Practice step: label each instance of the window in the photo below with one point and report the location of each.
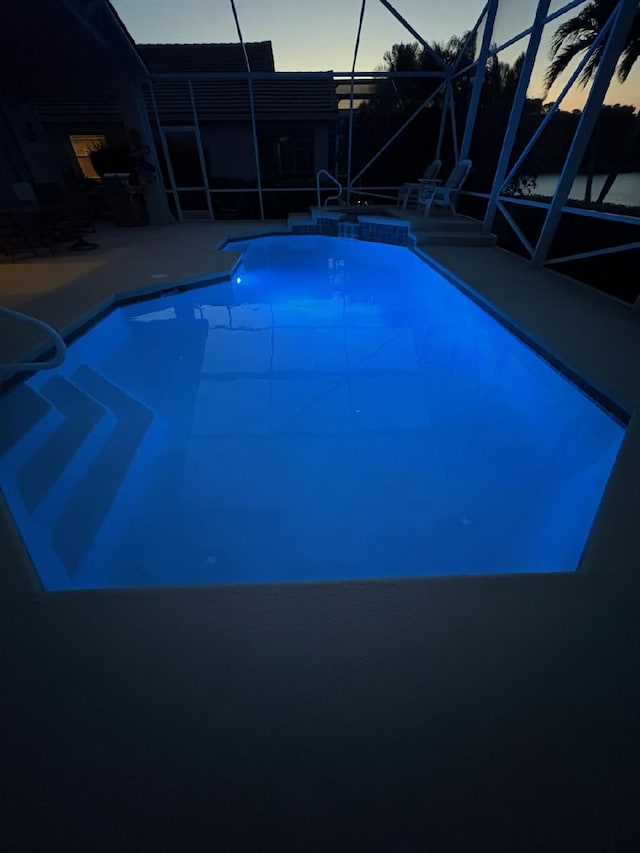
(82, 145)
(295, 152)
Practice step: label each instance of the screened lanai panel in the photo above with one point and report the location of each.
(405, 157)
(494, 111)
(545, 160)
(435, 22)
(513, 18)
(546, 54)
(608, 184)
(558, 5)
(546, 127)
(363, 90)
(556, 126)
(611, 269)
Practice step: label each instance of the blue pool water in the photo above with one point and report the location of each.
(337, 411)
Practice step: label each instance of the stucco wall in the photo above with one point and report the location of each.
(230, 150)
(322, 147)
(11, 164)
(31, 137)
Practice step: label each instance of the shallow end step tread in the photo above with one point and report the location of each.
(20, 410)
(47, 465)
(87, 508)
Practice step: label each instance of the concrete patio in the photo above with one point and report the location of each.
(450, 714)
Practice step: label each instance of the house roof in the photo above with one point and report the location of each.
(274, 98)
(284, 99)
(312, 97)
(202, 58)
(308, 98)
(224, 99)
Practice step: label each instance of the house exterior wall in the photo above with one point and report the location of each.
(321, 146)
(12, 166)
(7, 177)
(39, 163)
(230, 150)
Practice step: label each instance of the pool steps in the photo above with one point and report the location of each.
(88, 432)
(81, 414)
(391, 223)
(24, 408)
(109, 469)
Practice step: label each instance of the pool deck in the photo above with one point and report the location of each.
(496, 713)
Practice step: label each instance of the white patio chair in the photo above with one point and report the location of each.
(409, 191)
(444, 195)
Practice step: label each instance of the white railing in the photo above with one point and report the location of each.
(335, 181)
(60, 346)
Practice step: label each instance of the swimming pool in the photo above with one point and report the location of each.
(338, 410)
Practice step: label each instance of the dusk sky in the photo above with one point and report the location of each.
(306, 35)
(319, 35)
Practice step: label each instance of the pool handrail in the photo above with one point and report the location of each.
(335, 181)
(59, 344)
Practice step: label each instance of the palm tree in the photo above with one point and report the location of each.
(576, 36)
(573, 38)
(414, 57)
(392, 101)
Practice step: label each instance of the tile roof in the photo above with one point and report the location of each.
(287, 97)
(197, 58)
(216, 100)
(77, 109)
(312, 97)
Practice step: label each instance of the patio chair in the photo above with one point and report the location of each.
(445, 195)
(409, 191)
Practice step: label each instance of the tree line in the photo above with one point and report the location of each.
(614, 146)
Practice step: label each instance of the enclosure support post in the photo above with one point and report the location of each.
(516, 112)
(203, 165)
(478, 80)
